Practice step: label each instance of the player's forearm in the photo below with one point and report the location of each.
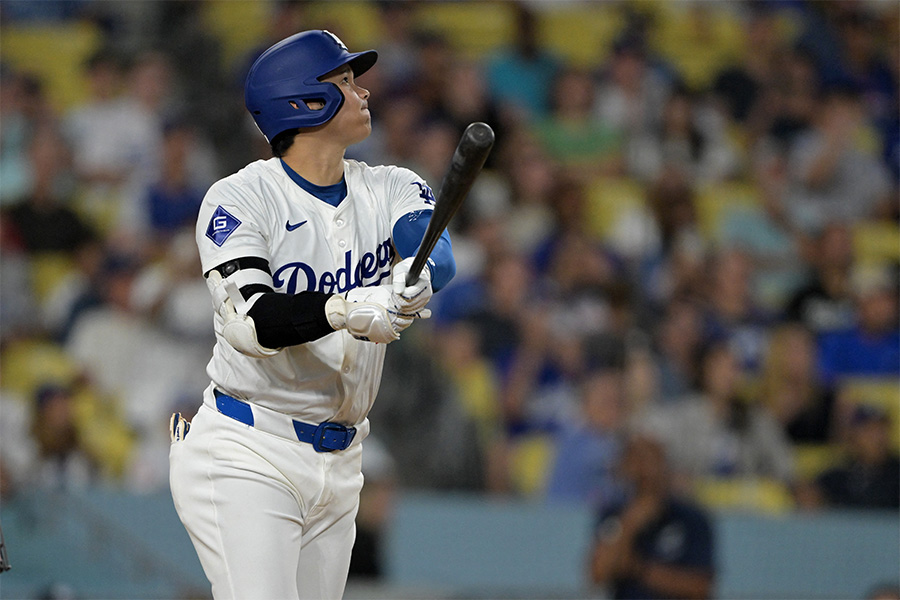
(283, 320)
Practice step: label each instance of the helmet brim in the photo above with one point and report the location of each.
(362, 61)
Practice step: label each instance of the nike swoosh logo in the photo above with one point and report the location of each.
(295, 226)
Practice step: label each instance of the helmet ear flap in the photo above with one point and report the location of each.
(326, 94)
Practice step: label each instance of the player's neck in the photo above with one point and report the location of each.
(321, 164)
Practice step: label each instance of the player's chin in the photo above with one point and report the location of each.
(365, 129)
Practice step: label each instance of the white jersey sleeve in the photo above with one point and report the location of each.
(407, 193)
(231, 224)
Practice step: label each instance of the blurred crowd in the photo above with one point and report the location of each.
(691, 239)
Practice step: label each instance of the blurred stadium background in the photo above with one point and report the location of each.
(688, 229)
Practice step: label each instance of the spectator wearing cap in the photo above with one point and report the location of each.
(870, 476)
(870, 347)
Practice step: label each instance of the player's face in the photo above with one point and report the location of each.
(352, 123)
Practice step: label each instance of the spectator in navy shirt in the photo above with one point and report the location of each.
(870, 476)
(654, 545)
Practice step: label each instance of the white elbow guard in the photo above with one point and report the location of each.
(238, 329)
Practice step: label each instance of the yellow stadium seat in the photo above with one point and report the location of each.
(472, 28)
(714, 203)
(814, 459)
(881, 392)
(608, 199)
(356, 23)
(876, 242)
(27, 364)
(102, 432)
(582, 34)
(745, 494)
(48, 270)
(239, 26)
(699, 40)
(530, 460)
(56, 54)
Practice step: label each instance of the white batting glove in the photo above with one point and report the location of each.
(411, 298)
(370, 314)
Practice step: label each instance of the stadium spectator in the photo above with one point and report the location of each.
(62, 462)
(827, 166)
(631, 94)
(475, 389)
(731, 311)
(396, 48)
(173, 199)
(740, 87)
(690, 139)
(532, 178)
(23, 106)
(655, 544)
(588, 448)
(717, 432)
(871, 346)
(790, 387)
(45, 221)
(678, 269)
(869, 478)
(679, 335)
(519, 76)
(113, 143)
(572, 134)
(825, 302)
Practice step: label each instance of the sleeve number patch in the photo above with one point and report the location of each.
(221, 225)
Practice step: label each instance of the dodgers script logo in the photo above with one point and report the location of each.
(370, 270)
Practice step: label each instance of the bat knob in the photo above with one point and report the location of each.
(479, 134)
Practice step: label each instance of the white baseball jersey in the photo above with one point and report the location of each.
(310, 245)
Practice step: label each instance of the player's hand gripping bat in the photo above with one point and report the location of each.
(474, 146)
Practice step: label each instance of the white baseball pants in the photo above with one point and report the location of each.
(270, 517)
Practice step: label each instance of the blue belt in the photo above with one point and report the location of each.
(324, 437)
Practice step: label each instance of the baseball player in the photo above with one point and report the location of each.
(306, 256)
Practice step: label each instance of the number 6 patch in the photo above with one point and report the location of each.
(221, 225)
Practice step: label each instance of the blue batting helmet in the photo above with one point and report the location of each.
(286, 76)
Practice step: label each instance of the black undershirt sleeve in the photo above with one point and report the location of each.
(283, 320)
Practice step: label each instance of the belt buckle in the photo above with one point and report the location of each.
(320, 444)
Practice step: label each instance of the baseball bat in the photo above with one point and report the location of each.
(471, 152)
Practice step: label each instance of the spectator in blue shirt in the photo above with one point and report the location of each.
(870, 348)
(588, 450)
(654, 545)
